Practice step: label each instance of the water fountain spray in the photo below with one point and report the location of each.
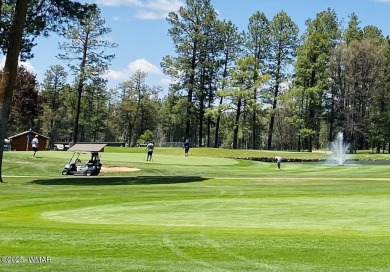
(339, 149)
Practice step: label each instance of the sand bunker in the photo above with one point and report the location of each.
(111, 169)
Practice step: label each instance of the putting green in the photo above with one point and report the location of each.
(292, 213)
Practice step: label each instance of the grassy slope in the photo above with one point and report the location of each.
(201, 214)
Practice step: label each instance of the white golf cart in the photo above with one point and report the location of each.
(92, 167)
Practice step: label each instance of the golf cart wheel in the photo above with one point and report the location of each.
(88, 173)
(64, 172)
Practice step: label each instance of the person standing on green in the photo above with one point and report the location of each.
(278, 162)
(150, 148)
(34, 145)
(186, 147)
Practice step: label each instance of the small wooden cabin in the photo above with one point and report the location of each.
(22, 141)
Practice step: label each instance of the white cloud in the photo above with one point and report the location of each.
(132, 67)
(26, 64)
(165, 81)
(149, 15)
(167, 5)
(155, 77)
(116, 75)
(161, 8)
(120, 2)
(146, 9)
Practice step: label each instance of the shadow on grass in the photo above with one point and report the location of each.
(140, 180)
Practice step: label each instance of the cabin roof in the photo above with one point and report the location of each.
(33, 133)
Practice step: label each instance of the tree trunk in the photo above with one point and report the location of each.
(217, 124)
(216, 139)
(299, 143)
(201, 109)
(254, 122)
(80, 88)
(190, 92)
(312, 111)
(331, 119)
(7, 83)
(274, 105)
(209, 117)
(77, 116)
(201, 118)
(310, 149)
(271, 125)
(254, 131)
(237, 124)
(208, 132)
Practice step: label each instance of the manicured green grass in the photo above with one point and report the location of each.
(205, 213)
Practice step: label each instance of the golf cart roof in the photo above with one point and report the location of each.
(87, 148)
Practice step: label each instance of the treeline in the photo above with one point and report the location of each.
(266, 87)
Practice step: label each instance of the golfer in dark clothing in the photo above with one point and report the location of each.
(186, 147)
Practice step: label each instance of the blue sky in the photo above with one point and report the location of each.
(140, 29)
